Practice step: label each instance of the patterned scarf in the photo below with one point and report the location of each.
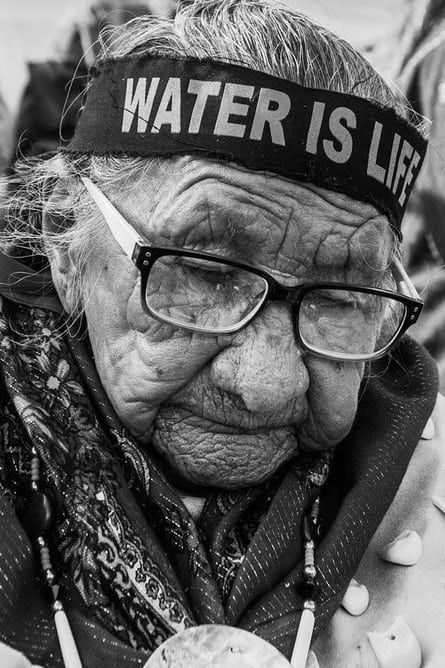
(134, 563)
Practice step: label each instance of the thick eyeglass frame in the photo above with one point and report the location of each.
(144, 256)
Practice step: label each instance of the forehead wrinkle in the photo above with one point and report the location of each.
(320, 245)
(372, 247)
(351, 212)
(214, 231)
(211, 210)
(263, 218)
(363, 253)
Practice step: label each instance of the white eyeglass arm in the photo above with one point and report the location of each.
(122, 231)
(406, 284)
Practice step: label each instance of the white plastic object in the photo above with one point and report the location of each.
(405, 550)
(439, 502)
(397, 647)
(312, 661)
(356, 598)
(428, 432)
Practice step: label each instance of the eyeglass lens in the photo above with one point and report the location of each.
(196, 292)
(215, 297)
(344, 321)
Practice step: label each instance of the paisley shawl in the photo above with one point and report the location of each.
(136, 568)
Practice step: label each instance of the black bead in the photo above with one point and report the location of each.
(309, 529)
(308, 590)
(36, 514)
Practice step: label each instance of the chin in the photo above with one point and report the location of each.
(199, 479)
(210, 454)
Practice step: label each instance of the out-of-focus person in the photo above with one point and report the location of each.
(415, 60)
(50, 105)
(5, 135)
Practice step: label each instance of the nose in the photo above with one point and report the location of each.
(263, 364)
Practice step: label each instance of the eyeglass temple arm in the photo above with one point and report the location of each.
(122, 231)
(406, 284)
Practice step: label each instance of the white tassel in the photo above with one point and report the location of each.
(303, 639)
(67, 644)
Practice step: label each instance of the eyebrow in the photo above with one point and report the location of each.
(128, 238)
(235, 244)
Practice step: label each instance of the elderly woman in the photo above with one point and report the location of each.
(205, 415)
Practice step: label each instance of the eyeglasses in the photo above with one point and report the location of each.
(203, 292)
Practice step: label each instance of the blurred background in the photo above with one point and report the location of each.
(31, 30)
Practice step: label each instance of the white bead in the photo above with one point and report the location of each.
(356, 598)
(439, 502)
(397, 647)
(405, 550)
(428, 432)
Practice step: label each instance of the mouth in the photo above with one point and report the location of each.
(211, 452)
(227, 412)
(214, 421)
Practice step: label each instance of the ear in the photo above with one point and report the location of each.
(60, 255)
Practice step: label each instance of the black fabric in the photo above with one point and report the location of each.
(49, 107)
(24, 286)
(161, 106)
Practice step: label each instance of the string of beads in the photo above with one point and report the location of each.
(310, 536)
(37, 518)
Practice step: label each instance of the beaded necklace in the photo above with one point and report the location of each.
(309, 589)
(36, 515)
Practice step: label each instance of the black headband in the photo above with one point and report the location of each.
(164, 106)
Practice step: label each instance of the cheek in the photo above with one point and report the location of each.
(332, 400)
(106, 296)
(141, 362)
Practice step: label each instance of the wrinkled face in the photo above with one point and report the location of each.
(228, 410)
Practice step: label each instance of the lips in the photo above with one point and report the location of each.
(220, 454)
(228, 409)
(227, 422)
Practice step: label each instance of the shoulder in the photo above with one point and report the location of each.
(416, 592)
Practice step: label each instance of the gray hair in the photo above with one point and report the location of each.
(260, 34)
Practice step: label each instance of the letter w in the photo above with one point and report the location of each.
(138, 103)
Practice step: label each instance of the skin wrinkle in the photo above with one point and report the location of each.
(227, 410)
(210, 188)
(226, 458)
(210, 388)
(286, 230)
(170, 223)
(312, 432)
